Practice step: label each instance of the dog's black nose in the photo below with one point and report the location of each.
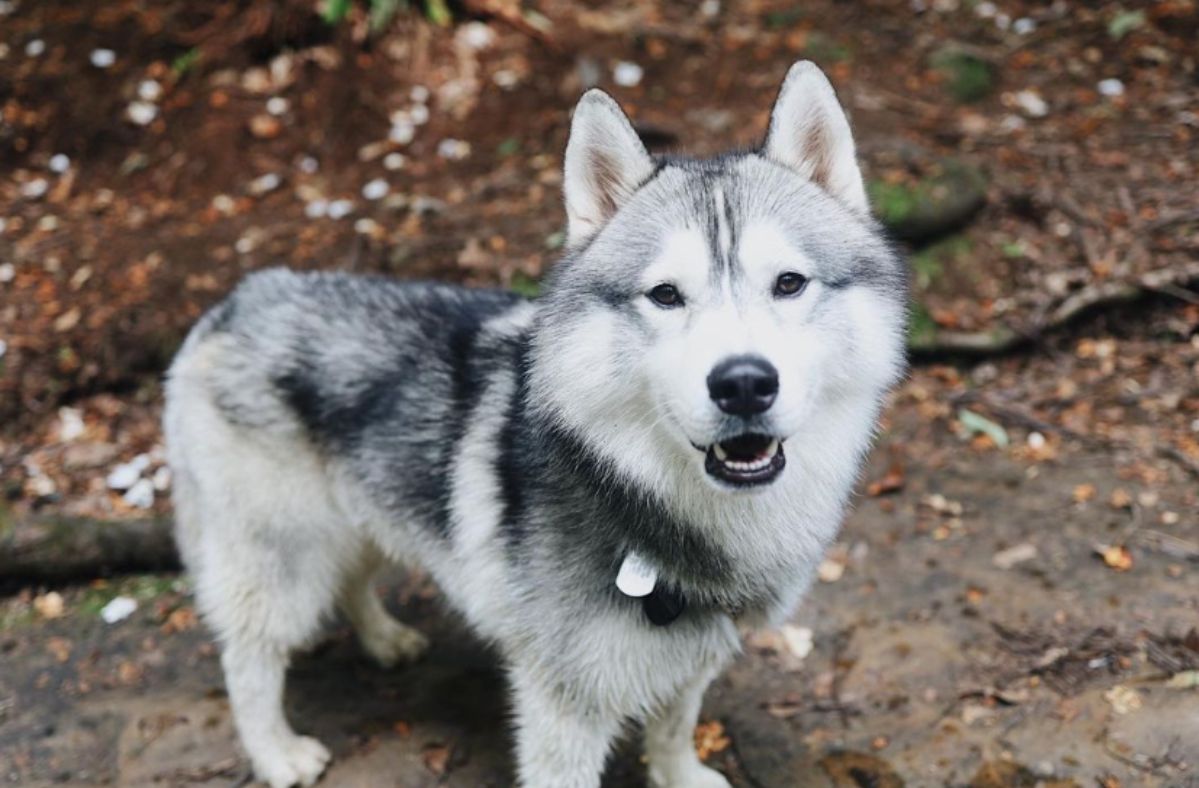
(743, 385)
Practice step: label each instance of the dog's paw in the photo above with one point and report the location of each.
(394, 644)
(299, 760)
(695, 775)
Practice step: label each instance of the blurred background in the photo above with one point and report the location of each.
(1015, 598)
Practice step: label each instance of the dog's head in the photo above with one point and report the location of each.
(710, 312)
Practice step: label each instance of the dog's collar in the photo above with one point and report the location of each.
(638, 578)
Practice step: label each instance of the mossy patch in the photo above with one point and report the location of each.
(968, 78)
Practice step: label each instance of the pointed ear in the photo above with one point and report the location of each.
(810, 134)
(605, 163)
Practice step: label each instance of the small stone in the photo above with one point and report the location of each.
(265, 127)
(35, 48)
(70, 424)
(224, 204)
(986, 10)
(627, 74)
(452, 149)
(402, 132)
(277, 105)
(140, 495)
(340, 209)
(506, 78)
(419, 94)
(1111, 88)
(373, 150)
(60, 163)
(3, 348)
(419, 114)
(1031, 103)
(149, 90)
(316, 209)
(35, 189)
(376, 189)
(1024, 25)
(264, 184)
(103, 58)
(308, 165)
(798, 640)
(141, 113)
(368, 226)
(8, 272)
(394, 161)
(476, 35)
(125, 475)
(118, 609)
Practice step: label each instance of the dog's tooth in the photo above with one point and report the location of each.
(721, 454)
(773, 448)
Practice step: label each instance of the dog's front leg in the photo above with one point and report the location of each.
(670, 742)
(559, 744)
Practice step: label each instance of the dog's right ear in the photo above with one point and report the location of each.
(605, 163)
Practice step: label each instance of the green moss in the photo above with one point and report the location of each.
(525, 285)
(967, 77)
(921, 326)
(930, 262)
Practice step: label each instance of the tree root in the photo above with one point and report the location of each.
(61, 549)
(997, 342)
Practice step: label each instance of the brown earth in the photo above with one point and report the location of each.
(932, 665)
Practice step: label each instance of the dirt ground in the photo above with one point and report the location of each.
(1015, 600)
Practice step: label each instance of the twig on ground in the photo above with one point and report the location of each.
(982, 344)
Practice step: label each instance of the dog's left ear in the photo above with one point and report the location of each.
(605, 163)
(810, 134)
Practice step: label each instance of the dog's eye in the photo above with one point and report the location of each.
(666, 295)
(789, 284)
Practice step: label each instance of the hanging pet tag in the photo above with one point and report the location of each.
(636, 578)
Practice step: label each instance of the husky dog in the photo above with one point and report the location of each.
(610, 482)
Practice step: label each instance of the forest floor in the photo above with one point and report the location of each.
(1014, 600)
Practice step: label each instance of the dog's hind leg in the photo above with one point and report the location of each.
(670, 743)
(386, 639)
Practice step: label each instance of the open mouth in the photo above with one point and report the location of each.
(746, 460)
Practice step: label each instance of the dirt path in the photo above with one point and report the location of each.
(932, 665)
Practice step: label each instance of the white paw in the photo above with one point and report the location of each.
(394, 643)
(693, 775)
(299, 760)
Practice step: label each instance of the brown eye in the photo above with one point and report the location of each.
(666, 295)
(789, 284)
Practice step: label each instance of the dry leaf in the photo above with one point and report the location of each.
(710, 739)
(1084, 493)
(1017, 554)
(59, 648)
(1120, 499)
(797, 639)
(830, 570)
(1116, 556)
(50, 606)
(436, 758)
(1123, 699)
(891, 482)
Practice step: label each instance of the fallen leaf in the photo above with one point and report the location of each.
(1017, 554)
(892, 481)
(50, 605)
(1123, 699)
(1120, 499)
(1084, 493)
(59, 648)
(1187, 679)
(973, 423)
(710, 739)
(1116, 556)
(798, 640)
(830, 570)
(436, 758)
